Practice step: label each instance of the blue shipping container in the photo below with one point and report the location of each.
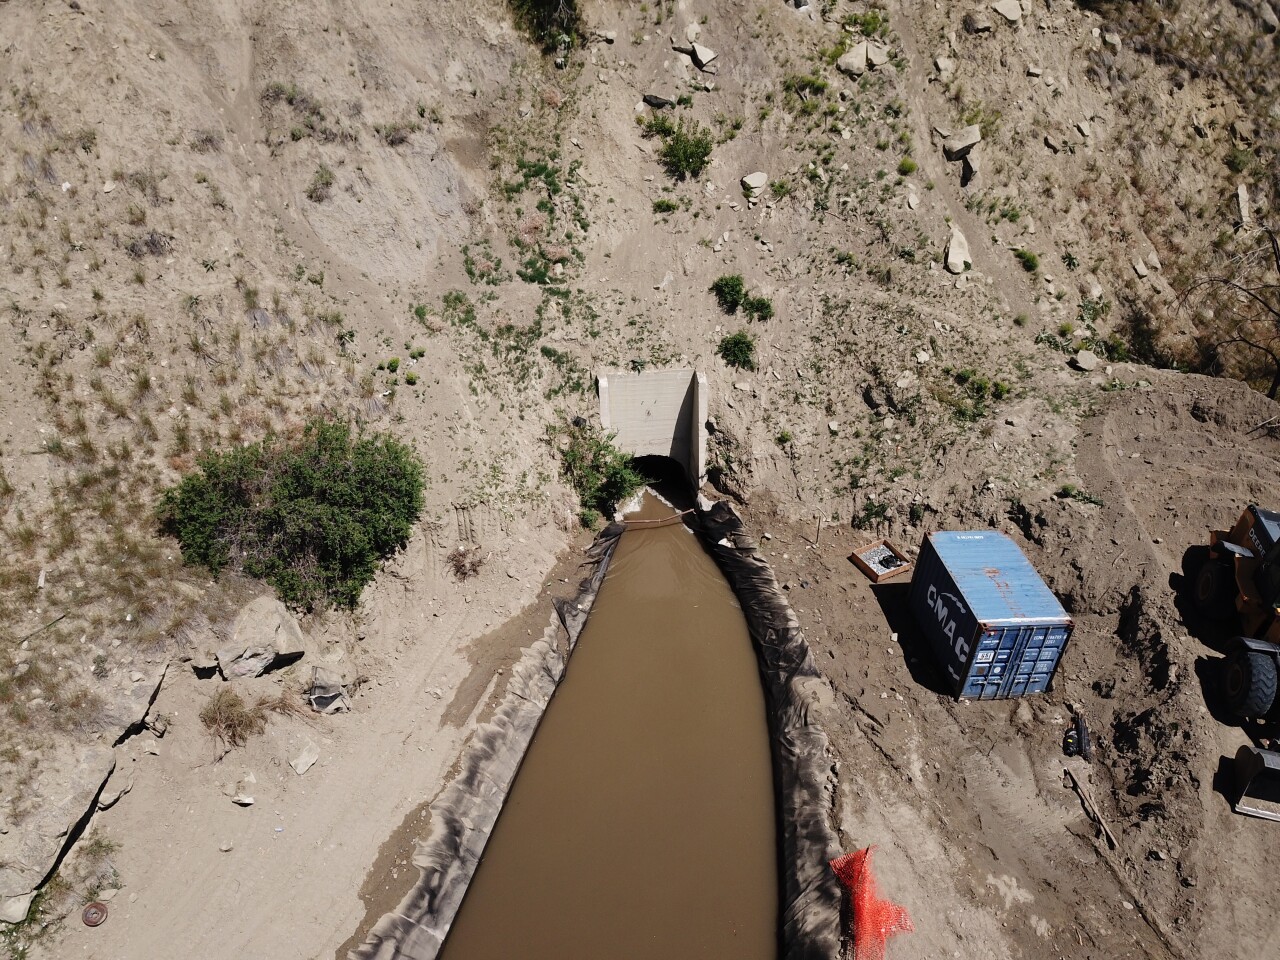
(997, 630)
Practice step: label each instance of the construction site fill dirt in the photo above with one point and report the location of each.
(220, 220)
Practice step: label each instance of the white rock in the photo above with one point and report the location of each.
(1246, 208)
(1083, 127)
(304, 760)
(854, 63)
(108, 186)
(957, 256)
(959, 144)
(1086, 360)
(703, 55)
(877, 54)
(226, 846)
(1111, 40)
(945, 66)
(753, 184)
(265, 632)
(913, 201)
(1011, 10)
(1140, 268)
(1033, 71)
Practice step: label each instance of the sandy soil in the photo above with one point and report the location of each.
(856, 415)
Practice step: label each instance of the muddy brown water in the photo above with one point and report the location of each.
(641, 824)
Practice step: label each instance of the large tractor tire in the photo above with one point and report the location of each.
(1249, 682)
(1214, 590)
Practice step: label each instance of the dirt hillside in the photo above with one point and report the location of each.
(222, 220)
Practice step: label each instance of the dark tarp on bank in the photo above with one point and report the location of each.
(463, 816)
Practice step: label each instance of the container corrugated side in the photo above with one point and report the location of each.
(1000, 635)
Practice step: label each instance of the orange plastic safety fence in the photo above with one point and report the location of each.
(874, 920)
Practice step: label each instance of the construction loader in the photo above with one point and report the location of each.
(1240, 578)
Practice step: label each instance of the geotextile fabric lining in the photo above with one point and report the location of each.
(803, 765)
(463, 817)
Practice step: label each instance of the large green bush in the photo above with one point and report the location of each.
(313, 517)
(686, 151)
(548, 21)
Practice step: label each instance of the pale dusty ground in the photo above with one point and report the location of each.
(978, 837)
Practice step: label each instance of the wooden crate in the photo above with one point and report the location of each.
(880, 560)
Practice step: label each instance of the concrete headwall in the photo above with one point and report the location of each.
(658, 413)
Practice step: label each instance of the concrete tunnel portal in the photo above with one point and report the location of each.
(660, 413)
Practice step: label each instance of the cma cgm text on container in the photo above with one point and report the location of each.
(994, 626)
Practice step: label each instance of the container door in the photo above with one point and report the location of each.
(989, 666)
(1034, 657)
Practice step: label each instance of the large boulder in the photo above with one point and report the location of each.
(62, 795)
(959, 144)
(265, 636)
(854, 63)
(958, 252)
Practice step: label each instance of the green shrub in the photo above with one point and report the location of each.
(687, 150)
(314, 517)
(738, 350)
(548, 21)
(780, 188)
(321, 184)
(600, 473)
(907, 166)
(730, 291)
(665, 205)
(758, 308)
(1239, 160)
(1030, 262)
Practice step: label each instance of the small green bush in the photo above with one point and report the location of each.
(730, 291)
(687, 150)
(758, 308)
(665, 205)
(313, 517)
(1030, 262)
(1239, 159)
(907, 166)
(321, 185)
(738, 350)
(600, 473)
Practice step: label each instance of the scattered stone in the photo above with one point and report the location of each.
(702, 56)
(108, 186)
(854, 63)
(1086, 360)
(753, 184)
(1083, 127)
(742, 386)
(922, 357)
(107, 895)
(661, 98)
(1034, 71)
(1270, 22)
(959, 144)
(1140, 268)
(136, 677)
(306, 759)
(226, 846)
(692, 32)
(1112, 40)
(970, 165)
(1246, 208)
(913, 200)
(1153, 262)
(1199, 127)
(265, 635)
(1011, 10)
(976, 23)
(945, 66)
(957, 256)
(525, 111)
(833, 426)
(1053, 144)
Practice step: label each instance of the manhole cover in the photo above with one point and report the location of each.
(94, 914)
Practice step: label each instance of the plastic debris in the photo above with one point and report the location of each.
(873, 920)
